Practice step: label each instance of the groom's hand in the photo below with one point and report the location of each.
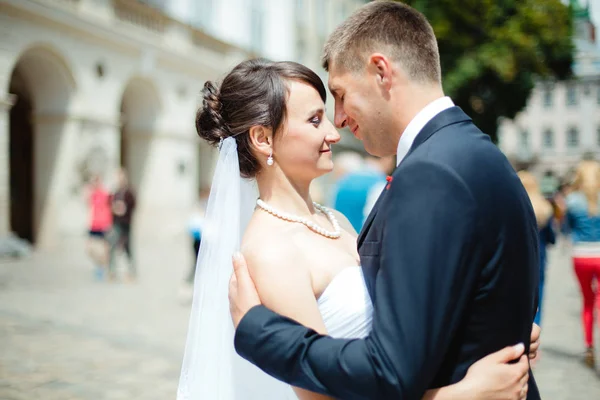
(242, 292)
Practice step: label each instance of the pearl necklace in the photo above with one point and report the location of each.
(311, 225)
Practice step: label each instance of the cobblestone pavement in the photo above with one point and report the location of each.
(65, 336)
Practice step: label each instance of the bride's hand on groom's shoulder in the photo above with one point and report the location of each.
(536, 332)
(242, 292)
(493, 378)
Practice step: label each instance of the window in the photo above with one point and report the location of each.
(300, 11)
(257, 23)
(547, 97)
(160, 4)
(340, 12)
(202, 13)
(524, 139)
(598, 136)
(571, 94)
(548, 138)
(301, 21)
(598, 95)
(572, 138)
(321, 18)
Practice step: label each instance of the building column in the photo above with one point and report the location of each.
(53, 155)
(162, 170)
(6, 103)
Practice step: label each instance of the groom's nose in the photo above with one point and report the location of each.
(340, 118)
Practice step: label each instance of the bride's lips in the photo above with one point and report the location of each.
(325, 151)
(355, 132)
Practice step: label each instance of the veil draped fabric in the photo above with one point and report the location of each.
(211, 368)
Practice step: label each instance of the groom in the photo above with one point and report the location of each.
(449, 252)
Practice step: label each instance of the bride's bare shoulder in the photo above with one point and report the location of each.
(270, 242)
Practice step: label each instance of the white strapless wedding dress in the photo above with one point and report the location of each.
(345, 305)
(347, 312)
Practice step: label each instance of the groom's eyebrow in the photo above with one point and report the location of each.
(335, 91)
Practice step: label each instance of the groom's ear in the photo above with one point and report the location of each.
(261, 139)
(381, 67)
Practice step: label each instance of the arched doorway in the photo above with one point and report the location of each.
(21, 159)
(42, 85)
(140, 107)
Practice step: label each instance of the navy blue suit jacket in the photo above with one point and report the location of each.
(450, 258)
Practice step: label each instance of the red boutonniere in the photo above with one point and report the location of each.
(389, 179)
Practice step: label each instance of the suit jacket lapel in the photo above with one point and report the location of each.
(369, 220)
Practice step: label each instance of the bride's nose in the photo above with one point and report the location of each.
(333, 136)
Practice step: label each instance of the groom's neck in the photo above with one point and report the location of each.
(414, 99)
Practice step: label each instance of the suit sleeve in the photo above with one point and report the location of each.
(428, 263)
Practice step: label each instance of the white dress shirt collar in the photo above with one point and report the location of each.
(418, 123)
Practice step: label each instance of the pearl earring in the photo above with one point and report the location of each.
(270, 159)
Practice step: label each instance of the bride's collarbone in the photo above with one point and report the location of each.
(302, 243)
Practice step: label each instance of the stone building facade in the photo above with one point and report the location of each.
(89, 85)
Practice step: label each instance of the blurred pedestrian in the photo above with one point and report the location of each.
(100, 221)
(382, 166)
(544, 214)
(353, 189)
(583, 221)
(344, 163)
(195, 230)
(123, 206)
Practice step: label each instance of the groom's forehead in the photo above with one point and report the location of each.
(333, 77)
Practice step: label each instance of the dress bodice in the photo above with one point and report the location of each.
(345, 305)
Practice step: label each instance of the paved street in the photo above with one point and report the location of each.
(560, 372)
(65, 336)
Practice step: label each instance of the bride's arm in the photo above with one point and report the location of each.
(491, 378)
(284, 286)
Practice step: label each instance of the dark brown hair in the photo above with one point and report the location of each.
(254, 93)
(387, 26)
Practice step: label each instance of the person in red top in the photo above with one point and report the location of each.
(100, 222)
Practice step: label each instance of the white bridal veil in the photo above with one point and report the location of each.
(211, 368)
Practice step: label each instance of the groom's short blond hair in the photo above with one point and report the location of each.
(393, 28)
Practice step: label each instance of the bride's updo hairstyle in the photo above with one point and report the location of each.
(254, 93)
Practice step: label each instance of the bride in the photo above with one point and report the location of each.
(269, 121)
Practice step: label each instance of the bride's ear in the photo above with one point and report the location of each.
(261, 139)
